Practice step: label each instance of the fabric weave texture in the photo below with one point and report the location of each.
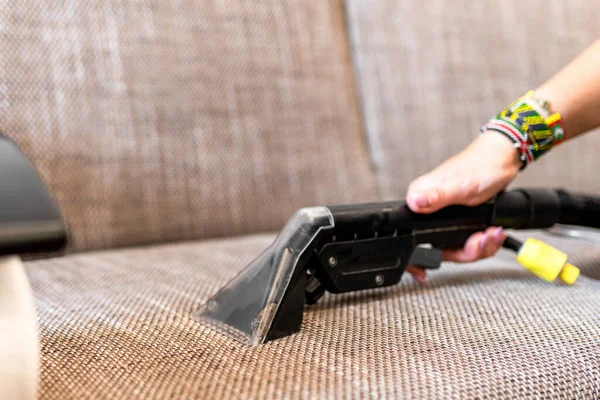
(119, 324)
(156, 121)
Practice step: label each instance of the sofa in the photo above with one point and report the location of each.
(177, 138)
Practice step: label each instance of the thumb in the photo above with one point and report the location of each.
(428, 194)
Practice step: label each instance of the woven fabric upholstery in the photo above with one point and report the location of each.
(432, 73)
(165, 120)
(119, 324)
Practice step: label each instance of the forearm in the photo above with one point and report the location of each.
(574, 92)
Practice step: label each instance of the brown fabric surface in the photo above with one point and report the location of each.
(431, 73)
(159, 120)
(118, 325)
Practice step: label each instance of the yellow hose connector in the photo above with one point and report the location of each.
(546, 262)
(569, 274)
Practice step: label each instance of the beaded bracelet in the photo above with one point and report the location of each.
(530, 125)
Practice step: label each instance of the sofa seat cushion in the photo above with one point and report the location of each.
(119, 324)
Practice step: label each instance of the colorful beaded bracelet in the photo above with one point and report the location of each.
(530, 125)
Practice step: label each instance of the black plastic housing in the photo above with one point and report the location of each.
(29, 220)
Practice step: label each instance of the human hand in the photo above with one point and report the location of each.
(469, 178)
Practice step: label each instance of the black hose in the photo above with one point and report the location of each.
(542, 208)
(581, 210)
(512, 243)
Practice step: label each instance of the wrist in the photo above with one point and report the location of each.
(505, 156)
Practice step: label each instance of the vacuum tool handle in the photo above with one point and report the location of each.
(396, 216)
(515, 209)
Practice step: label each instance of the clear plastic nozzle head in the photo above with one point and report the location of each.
(246, 306)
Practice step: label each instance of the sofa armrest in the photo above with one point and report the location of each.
(19, 349)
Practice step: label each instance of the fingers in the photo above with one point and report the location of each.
(418, 273)
(479, 246)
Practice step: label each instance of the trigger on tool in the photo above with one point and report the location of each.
(426, 258)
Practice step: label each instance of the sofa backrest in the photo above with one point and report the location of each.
(177, 120)
(432, 72)
(165, 121)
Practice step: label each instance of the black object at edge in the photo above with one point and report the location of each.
(30, 222)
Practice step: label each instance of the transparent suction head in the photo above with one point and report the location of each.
(246, 306)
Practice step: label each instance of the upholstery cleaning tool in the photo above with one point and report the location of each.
(363, 246)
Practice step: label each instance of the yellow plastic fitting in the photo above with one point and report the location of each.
(569, 274)
(546, 262)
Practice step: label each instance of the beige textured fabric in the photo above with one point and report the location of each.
(167, 120)
(432, 72)
(118, 325)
